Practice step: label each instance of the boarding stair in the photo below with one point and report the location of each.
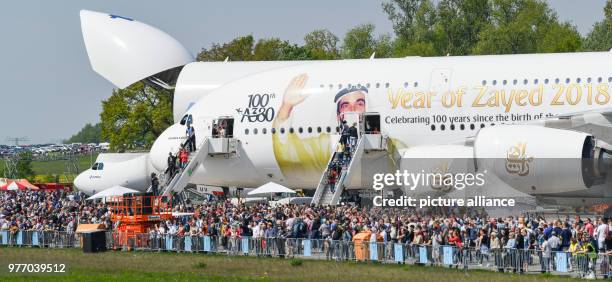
(323, 194)
(209, 146)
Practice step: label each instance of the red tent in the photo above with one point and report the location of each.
(19, 184)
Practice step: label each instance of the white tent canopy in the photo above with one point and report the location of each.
(270, 188)
(113, 191)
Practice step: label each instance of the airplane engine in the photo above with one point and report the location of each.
(540, 160)
(437, 170)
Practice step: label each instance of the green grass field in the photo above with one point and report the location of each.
(132, 266)
(59, 167)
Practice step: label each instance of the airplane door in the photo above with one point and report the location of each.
(352, 117)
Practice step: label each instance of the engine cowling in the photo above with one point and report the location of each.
(437, 170)
(539, 160)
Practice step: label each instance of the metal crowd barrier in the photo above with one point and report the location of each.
(43, 239)
(503, 259)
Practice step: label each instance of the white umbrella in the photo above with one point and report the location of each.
(113, 191)
(12, 186)
(270, 188)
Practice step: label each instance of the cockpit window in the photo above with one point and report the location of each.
(187, 119)
(97, 166)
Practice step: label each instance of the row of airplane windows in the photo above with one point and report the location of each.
(328, 129)
(462, 126)
(484, 82)
(368, 85)
(282, 130)
(546, 81)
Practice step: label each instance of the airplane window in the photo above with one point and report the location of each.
(273, 130)
(578, 80)
(525, 81)
(337, 129)
(184, 120)
(609, 79)
(100, 166)
(567, 80)
(319, 129)
(368, 85)
(246, 131)
(328, 129)
(433, 127)
(472, 126)
(416, 84)
(599, 79)
(484, 82)
(300, 130)
(387, 85)
(515, 82)
(462, 126)
(557, 80)
(331, 86)
(405, 84)
(94, 166)
(358, 85)
(340, 86)
(321, 85)
(452, 126)
(546, 81)
(505, 82)
(442, 127)
(291, 130)
(282, 130)
(264, 131)
(254, 130)
(309, 129)
(535, 81)
(377, 85)
(589, 80)
(494, 82)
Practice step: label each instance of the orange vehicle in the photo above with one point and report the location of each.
(133, 214)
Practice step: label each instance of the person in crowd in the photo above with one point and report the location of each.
(183, 157)
(190, 138)
(353, 136)
(171, 162)
(154, 184)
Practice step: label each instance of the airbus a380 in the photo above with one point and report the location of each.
(281, 118)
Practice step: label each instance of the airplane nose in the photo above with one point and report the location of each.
(80, 182)
(168, 142)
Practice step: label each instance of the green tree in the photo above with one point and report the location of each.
(526, 26)
(239, 49)
(133, 117)
(360, 42)
(245, 48)
(322, 44)
(600, 38)
(24, 166)
(458, 24)
(88, 134)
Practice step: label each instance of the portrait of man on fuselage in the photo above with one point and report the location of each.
(306, 157)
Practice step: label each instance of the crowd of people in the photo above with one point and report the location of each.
(62, 211)
(42, 210)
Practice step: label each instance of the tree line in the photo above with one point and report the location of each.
(133, 117)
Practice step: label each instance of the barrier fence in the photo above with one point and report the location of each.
(586, 265)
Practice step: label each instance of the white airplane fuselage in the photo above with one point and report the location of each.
(421, 102)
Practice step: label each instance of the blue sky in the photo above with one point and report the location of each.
(49, 90)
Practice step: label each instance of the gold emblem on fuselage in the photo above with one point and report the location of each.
(517, 161)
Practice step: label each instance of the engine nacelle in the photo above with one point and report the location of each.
(437, 170)
(539, 160)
